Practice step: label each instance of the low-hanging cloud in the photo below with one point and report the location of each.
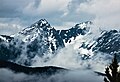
(71, 76)
(8, 29)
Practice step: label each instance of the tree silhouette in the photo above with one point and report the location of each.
(112, 74)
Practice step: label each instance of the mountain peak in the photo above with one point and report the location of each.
(41, 24)
(83, 25)
(44, 21)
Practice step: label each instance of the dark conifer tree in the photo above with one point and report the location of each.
(112, 74)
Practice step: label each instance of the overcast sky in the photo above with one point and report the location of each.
(17, 14)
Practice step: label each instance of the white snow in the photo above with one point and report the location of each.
(3, 38)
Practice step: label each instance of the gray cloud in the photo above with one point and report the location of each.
(60, 13)
(74, 4)
(107, 12)
(13, 28)
(27, 12)
(37, 3)
(12, 8)
(56, 11)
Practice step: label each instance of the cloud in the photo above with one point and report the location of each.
(8, 29)
(71, 76)
(32, 10)
(107, 12)
(17, 8)
(12, 8)
(60, 13)
(10, 26)
(46, 7)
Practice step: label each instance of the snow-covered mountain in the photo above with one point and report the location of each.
(43, 42)
(38, 40)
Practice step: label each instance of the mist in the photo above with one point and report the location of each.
(71, 76)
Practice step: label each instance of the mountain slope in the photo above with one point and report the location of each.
(109, 42)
